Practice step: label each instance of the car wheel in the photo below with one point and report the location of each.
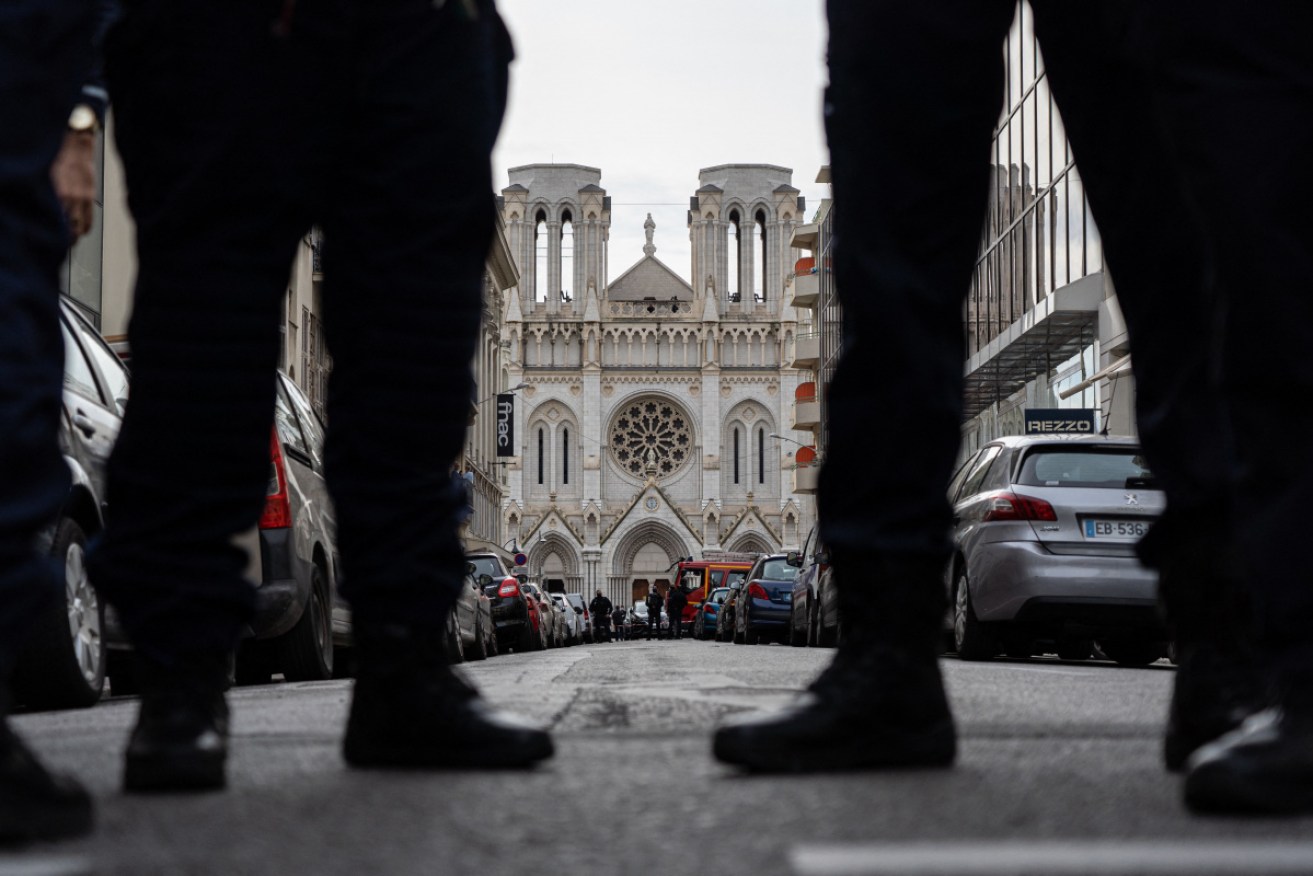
(480, 641)
(528, 638)
(455, 647)
(306, 650)
(63, 665)
(1131, 652)
(796, 639)
(972, 640)
(1075, 649)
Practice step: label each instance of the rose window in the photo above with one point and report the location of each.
(651, 431)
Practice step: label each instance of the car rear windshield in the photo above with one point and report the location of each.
(1084, 467)
(778, 570)
(486, 566)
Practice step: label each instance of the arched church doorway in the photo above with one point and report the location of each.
(651, 569)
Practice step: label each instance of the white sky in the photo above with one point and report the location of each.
(653, 92)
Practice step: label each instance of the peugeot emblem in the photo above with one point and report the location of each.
(1132, 499)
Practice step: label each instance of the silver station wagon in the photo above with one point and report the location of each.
(1045, 532)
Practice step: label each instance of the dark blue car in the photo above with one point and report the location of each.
(763, 607)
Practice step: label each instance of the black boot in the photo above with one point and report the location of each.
(408, 709)
(881, 702)
(1264, 767)
(1218, 683)
(36, 804)
(180, 742)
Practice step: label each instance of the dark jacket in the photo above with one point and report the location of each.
(600, 607)
(675, 603)
(654, 609)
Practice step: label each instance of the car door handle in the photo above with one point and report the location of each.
(83, 422)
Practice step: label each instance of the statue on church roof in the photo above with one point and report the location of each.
(649, 228)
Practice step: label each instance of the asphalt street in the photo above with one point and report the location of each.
(1058, 773)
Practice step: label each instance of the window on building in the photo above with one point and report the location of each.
(759, 252)
(735, 257)
(541, 456)
(540, 257)
(567, 257)
(736, 456)
(565, 456)
(761, 456)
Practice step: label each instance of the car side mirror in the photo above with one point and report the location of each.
(578, 610)
(470, 568)
(736, 586)
(523, 579)
(484, 580)
(793, 558)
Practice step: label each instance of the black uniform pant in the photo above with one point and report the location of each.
(1191, 125)
(44, 49)
(242, 125)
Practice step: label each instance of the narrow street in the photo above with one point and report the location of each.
(1062, 755)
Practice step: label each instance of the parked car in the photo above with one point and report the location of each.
(762, 608)
(1045, 539)
(573, 620)
(552, 621)
(704, 622)
(580, 605)
(470, 633)
(299, 619)
(63, 663)
(515, 614)
(639, 621)
(725, 617)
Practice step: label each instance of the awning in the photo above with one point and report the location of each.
(1054, 330)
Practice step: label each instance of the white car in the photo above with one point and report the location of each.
(574, 620)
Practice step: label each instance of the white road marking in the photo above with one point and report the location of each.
(1055, 858)
(44, 866)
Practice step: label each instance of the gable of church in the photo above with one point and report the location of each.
(649, 278)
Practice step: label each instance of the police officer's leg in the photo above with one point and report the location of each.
(915, 92)
(407, 235)
(218, 157)
(42, 61)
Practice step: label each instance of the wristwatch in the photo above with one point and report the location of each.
(83, 120)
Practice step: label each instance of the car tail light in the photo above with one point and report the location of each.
(756, 591)
(1011, 506)
(509, 587)
(277, 512)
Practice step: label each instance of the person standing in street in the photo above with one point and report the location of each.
(675, 602)
(601, 609)
(240, 127)
(618, 621)
(47, 52)
(1203, 113)
(653, 603)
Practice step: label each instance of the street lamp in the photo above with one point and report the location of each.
(790, 440)
(516, 388)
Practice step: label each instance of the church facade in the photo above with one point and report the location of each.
(646, 427)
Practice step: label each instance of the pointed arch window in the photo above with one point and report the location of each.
(759, 252)
(565, 456)
(567, 256)
(736, 455)
(540, 257)
(542, 456)
(735, 257)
